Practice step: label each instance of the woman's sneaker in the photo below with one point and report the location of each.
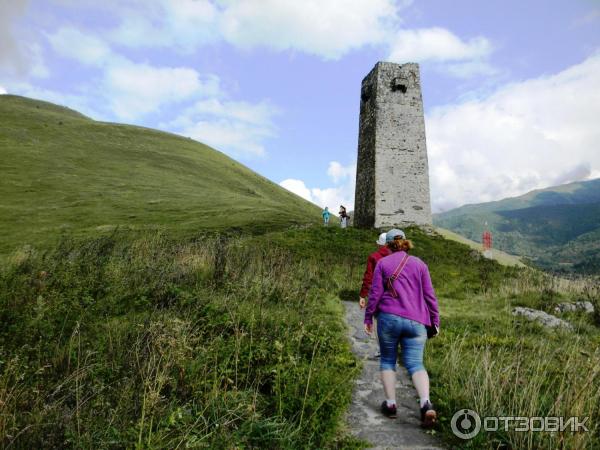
(388, 411)
(428, 415)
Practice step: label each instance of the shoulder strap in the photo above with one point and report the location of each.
(396, 274)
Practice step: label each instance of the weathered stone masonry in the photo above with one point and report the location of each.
(392, 178)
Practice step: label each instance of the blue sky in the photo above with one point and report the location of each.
(511, 89)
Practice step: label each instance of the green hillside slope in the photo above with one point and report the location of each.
(61, 171)
(553, 227)
(498, 255)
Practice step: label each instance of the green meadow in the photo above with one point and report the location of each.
(229, 341)
(63, 173)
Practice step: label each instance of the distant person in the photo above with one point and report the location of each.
(403, 298)
(326, 215)
(343, 217)
(381, 252)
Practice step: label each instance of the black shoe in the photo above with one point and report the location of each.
(428, 415)
(388, 411)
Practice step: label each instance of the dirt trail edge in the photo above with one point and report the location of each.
(364, 419)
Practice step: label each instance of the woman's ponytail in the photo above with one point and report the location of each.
(400, 245)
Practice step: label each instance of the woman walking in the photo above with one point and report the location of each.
(403, 298)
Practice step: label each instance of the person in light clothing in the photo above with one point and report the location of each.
(343, 217)
(403, 298)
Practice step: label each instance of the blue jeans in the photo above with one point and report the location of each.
(393, 330)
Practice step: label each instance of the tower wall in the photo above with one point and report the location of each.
(392, 179)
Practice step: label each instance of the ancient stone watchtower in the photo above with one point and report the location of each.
(392, 179)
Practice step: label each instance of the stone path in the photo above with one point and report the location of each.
(364, 419)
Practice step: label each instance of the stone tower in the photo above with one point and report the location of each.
(392, 178)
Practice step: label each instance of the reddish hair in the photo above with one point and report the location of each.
(399, 244)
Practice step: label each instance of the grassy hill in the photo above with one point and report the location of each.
(553, 227)
(63, 172)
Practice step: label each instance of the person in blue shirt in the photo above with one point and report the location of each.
(326, 215)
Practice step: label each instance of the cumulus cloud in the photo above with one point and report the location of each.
(234, 127)
(342, 193)
(2, 91)
(12, 54)
(85, 48)
(181, 24)
(326, 28)
(436, 44)
(132, 90)
(297, 187)
(339, 173)
(138, 89)
(452, 55)
(18, 57)
(321, 27)
(526, 135)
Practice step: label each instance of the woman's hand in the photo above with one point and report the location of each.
(369, 328)
(362, 302)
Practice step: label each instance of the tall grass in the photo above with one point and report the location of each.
(521, 377)
(153, 343)
(499, 365)
(239, 342)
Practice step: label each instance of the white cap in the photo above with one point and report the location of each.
(381, 240)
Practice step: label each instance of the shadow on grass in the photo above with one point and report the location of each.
(348, 295)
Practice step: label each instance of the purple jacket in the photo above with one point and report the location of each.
(416, 299)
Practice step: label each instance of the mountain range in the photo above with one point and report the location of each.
(556, 228)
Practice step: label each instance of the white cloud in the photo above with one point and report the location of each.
(536, 133)
(138, 89)
(237, 128)
(132, 90)
(447, 52)
(334, 197)
(297, 187)
(3, 91)
(338, 172)
(328, 28)
(468, 69)
(19, 57)
(13, 55)
(341, 194)
(325, 28)
(85, 48)
(436, 44)
(181, 24)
